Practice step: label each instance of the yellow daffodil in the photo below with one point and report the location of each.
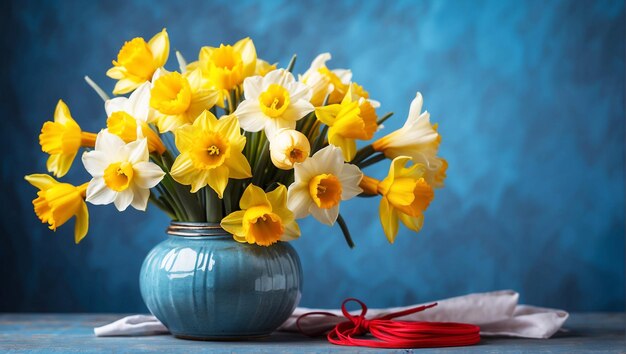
(289, 147)
(406, 195)
(62, 139)
(323, 81)
(350, 120)
(419, 140)
(273, 102)
(321, 183)
(179, 99)
(122, 173)
(264, 218)
(263, 67)
(57, 202)
(137, 61)
(128, 118)
(210, 153)
(225, 67)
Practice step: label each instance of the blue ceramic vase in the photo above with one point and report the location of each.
(204, 285)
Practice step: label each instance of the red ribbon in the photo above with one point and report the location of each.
(396, 334)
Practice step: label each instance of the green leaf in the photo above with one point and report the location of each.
(292, 62)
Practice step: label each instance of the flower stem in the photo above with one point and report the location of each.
(159, 204)
(319, 142)
(363, 154)
(345, 231)
(214, 206)
(371, 161)
(384, 118)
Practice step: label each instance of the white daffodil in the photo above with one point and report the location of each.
(417, 139)
(137, 104)
(128, 118)
(289, 147)
(321, 183)
(323, 81)
(121, 172)
(273, 102)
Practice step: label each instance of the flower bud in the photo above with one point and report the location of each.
(288, 147)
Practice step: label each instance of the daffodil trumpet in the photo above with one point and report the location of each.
(234, 139)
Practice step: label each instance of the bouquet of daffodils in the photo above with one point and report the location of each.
(232, 139)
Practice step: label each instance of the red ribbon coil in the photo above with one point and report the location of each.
(388, 333)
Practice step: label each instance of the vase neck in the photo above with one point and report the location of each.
(193, 229)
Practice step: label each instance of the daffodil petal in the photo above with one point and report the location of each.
(233, 223)
(325, 216)
(389, 220)
(182, 167)
(147, 174)
(416, 106)
(160, 47)
(137, 151)
(238, 166)
(116, 73)
(109, 142)
(299, 91)
(116, 104)
(297, 110)
(280, 77)
(59, 164)
(125, 86)
(123, 199)
(41, 181)
(62, 113)
(98, 193)
(248, 54)
(414, 223)
(350, 178)
(348, 146)
(250, 116)
(253, 196)
(327, 114)
(194, 77)
(273, 126)
(344, 75)
(184, 138)
(228, 127)
(292, 231)
(218, 179)
(139, 102)
(330, 159)
(298, 200)
(205, 121)
(81, 225)
(278, 196)
(140, 198)
(252, 87)
(95, 162)
(198, 179)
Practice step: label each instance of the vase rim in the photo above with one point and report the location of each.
(192, 229)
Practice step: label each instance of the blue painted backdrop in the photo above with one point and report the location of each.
(529, 97)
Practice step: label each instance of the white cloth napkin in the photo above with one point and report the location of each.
(497, 313)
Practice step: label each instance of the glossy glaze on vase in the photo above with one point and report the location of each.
(204, 285)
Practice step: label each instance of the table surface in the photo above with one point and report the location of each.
(586, 332)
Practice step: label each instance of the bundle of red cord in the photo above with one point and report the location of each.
(388, 333)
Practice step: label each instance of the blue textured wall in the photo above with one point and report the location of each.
(529, 96)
